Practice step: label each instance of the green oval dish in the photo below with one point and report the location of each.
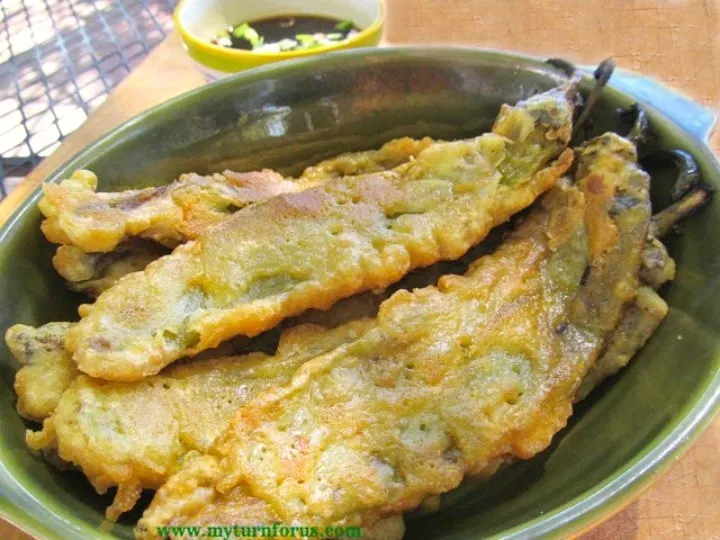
(289, 115)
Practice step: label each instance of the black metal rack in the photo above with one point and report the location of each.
(59, 59)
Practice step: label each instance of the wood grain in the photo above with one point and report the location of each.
(677, 41)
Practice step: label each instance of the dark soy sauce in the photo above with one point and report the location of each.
(286, 33)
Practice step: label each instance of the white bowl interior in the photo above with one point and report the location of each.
(205, 18)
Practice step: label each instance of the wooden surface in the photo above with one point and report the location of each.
(677, 41)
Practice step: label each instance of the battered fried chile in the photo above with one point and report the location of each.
(135, 435)
(450, 381)
(193, 403)
(309, 249)
(99, 232)
(47, 369)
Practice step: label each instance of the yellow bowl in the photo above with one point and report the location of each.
(198, 21)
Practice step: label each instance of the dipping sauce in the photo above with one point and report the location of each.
(286, 33)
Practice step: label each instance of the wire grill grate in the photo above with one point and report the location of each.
(59, 59)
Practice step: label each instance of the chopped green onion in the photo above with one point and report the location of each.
(239, 31)
(269, 48)
(344, 26)
(287, 44)
(307, 41)
(247, 32)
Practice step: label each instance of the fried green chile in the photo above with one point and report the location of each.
(310, 249)
(132, 458)
(105, 236)
(451, 381)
